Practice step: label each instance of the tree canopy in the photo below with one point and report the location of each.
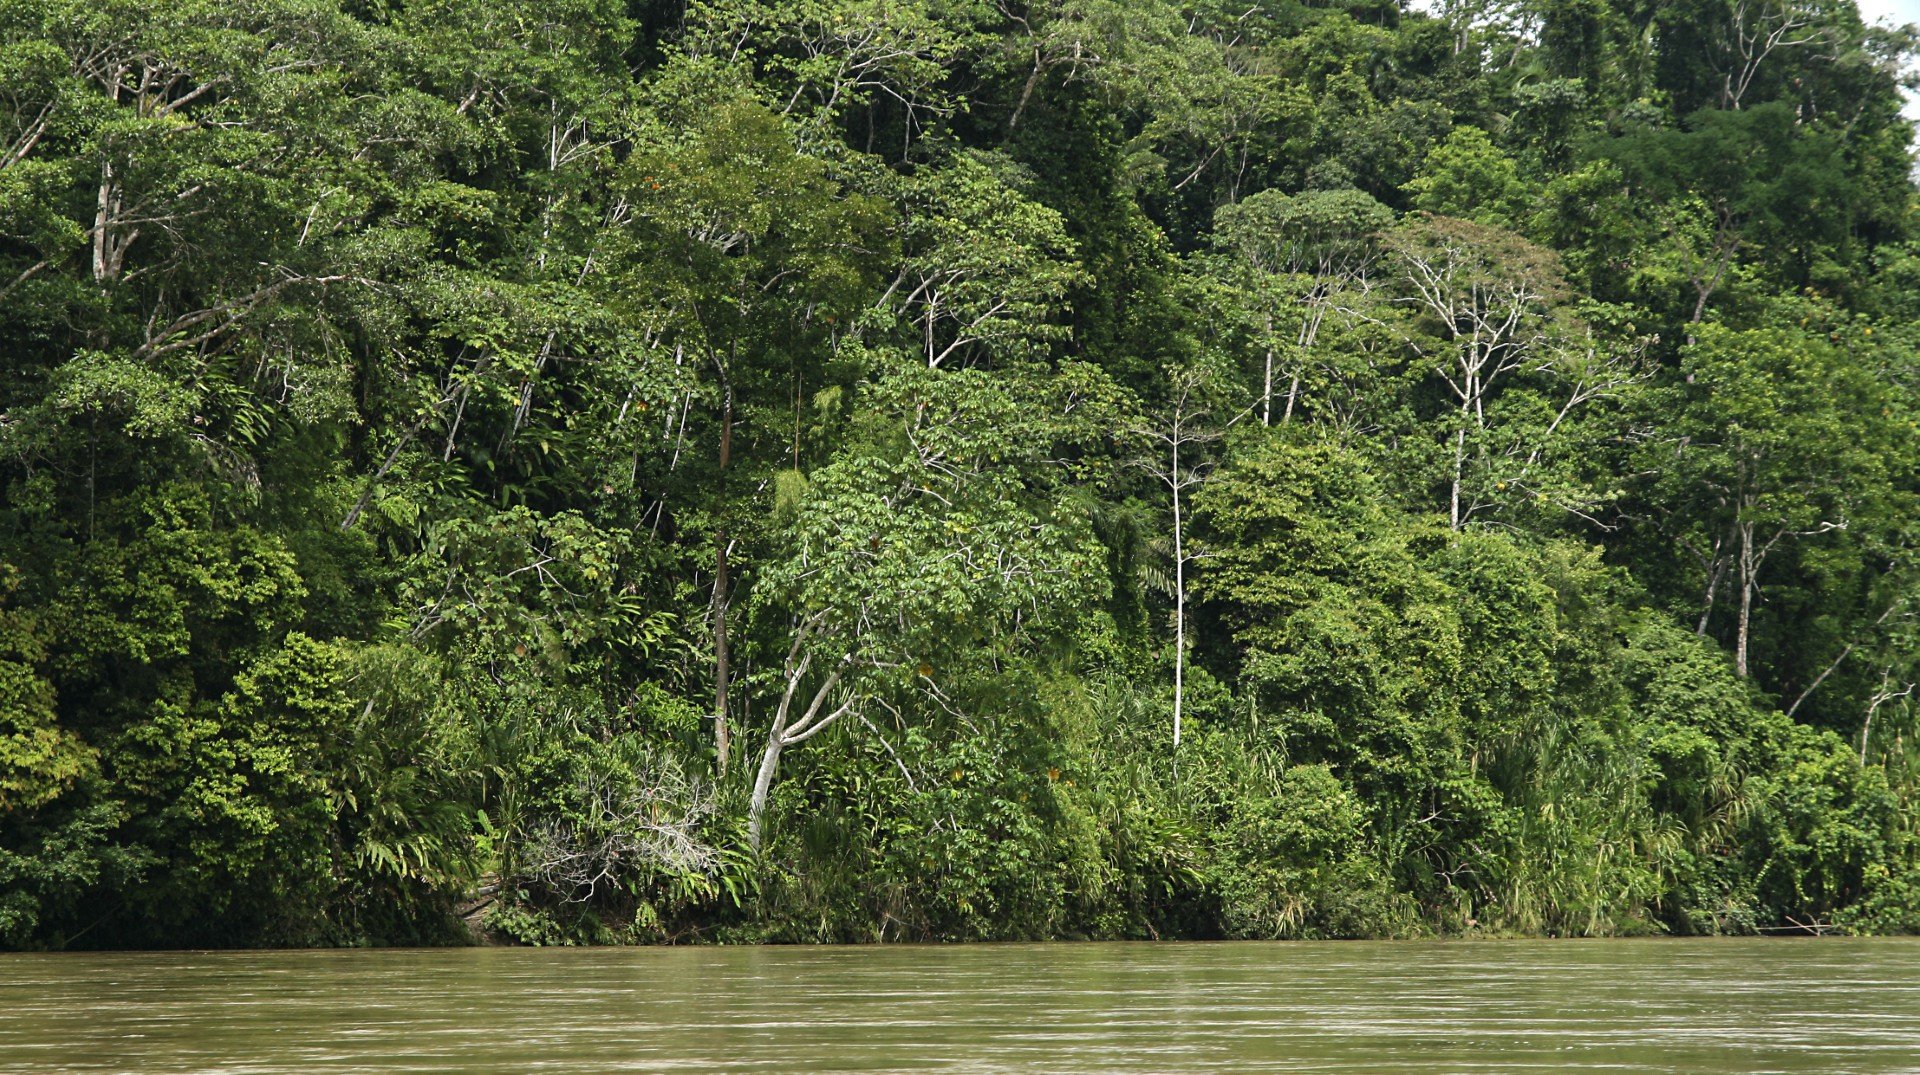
(657, 470)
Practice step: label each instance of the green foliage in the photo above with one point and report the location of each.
(1468, 176)
(782, 471)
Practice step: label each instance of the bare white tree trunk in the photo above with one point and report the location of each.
(1885, 694)
(1179, 605)
(786, 731)
(1459, 472)
(1749, 571)
(1183, 429)
(763, 786)
(1266, 387)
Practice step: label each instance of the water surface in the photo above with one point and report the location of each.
(1667, 1005)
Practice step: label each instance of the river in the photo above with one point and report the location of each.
(1656, 1005)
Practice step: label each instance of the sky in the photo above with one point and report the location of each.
(1894, 11)
(1897, 11)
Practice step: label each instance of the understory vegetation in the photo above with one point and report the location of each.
(844, 470)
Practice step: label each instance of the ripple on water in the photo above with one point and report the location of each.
(1681, 1006)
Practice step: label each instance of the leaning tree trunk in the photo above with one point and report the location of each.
(786, 731)
(763, 780)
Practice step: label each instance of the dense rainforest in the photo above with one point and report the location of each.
(793, 470)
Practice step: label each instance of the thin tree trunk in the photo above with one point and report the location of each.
(102, 218)
(1704, 288)
(1179, 603)
(786, 732)
(1026, 92)
(1714, 572)
(1309, 336)
(763, 780)
(1819, 679)
(109, 250)
(1459, 466)
(366, 493)
(776, 741)
(722, 734)
(1880, 698)
(1845, 651)
(1266, 388)
(1699, 309)
(1748, 569)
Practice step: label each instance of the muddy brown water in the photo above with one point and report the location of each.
(1805, 1005)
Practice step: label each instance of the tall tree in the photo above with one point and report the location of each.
(1759, 462)
(1300, 257)
(1178, 459)
(744, 246)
